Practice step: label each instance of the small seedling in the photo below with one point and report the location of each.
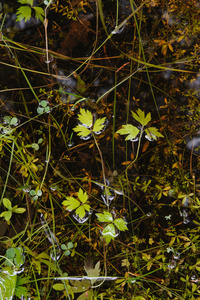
(79, 205)
(109, 232)
(36, 145)
(15, 257)
(43, 107)
(67, 248)
(133, 132)
(10, 210)
(35, 194)
(11, 121)
(88, 125)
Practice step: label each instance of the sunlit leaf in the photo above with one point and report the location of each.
(19, 210)
(105, 216)
(83, 197)
(59, 287)
(39, 13)
(82, 130)
(93, 272)
(99, 125)
(7, 203)
(80, 211)
(80, 286)
(7, 215)
(120, 224)
(153, 133)
(71, 203)
(88, 295)
(109, 233)
(81, 87)
(129, 129)
(30, 2)
(23, 12)
(8, 278)
(140, 117)
(85, 117)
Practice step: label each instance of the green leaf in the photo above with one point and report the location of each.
(8, 278)
(81, 87)
(109, 233)
(70, 245)
(71, 203)
(85, 117)
(19, 210)
(23, 12)
(80, 286)
(30, 2)
(82, 130)
(105, 217)
(35, 146)
(153, 133)
(129, 129)
(83, 197)
(43, 103)
(86, 295)
(59, 287)
(93, 272)
(99, 125)
(7, 203)
(80, 211)
(13, 121)
(140, 117)
(67, 253)
(8, 215)
(120, 224)
(64, 247)
(39, 13)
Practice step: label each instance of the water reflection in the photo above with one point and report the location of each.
(84, 219)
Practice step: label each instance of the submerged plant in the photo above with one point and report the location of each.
(88, 125)
(133, 132)
(10, 210)
(110, 232)
(79, 205)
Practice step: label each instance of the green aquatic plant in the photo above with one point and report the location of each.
(7, 215)
(109, 232)
(132, 132)
(79, 205)
(88, 125)
(25, 11)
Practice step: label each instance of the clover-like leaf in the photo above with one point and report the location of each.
(83, 197)
(85, 117)
(71, 203)
(105, 216)
(140, 117)
(120, 224)
(82, 130)
(129, 129)
(152, 133)
(99, 125)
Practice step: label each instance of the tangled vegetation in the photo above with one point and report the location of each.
(99, 147)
